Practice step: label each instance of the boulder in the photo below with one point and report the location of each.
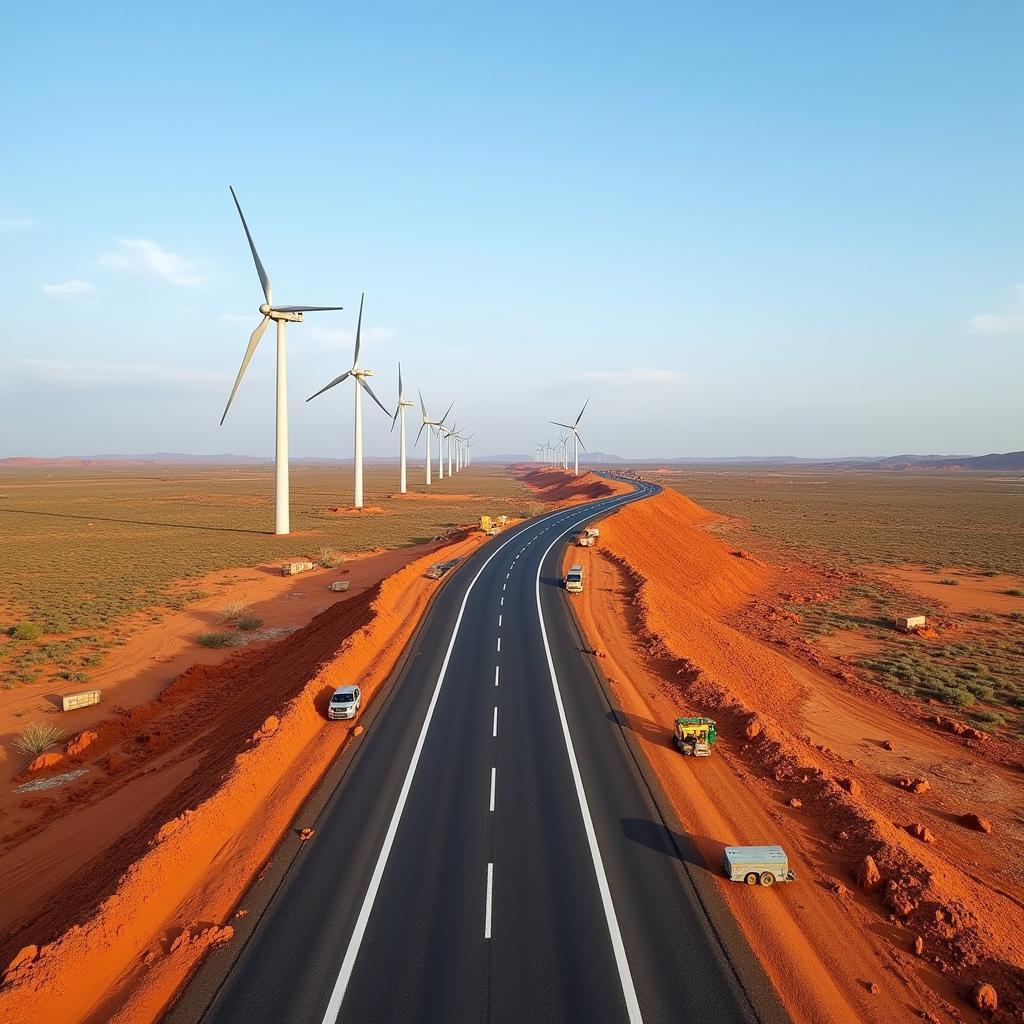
(921, 832)
(76, 747)
(973, 820)
(44, 761)
(918, 946)
(796, 803)
(753, 728)
(852, 786)
(306, 834)
(888, 745)
(869, 878)
(984, 997)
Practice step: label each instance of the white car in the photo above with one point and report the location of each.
(344, 702)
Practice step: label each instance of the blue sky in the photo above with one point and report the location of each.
(741, 228)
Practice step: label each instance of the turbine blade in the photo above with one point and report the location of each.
(580, 439)
(359, 331)
(306, 309)
(422, 405)
(401, 394)
(369, 391)
(327, 387)
(582, 411)
(264, 280)
(445, 416)
(557, 424)
(419, 433)
(254, 340)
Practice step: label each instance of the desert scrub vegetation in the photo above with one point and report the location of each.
(848, 517)
(127, 536)
(231, 613)
(26, 631)
(328, 558)
(38, 737)
(247, 623)
(213, 639)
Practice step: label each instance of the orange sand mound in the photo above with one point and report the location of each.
(435, 496)
(368, 510)
(98, 952)
(663, 626)
(561, 487)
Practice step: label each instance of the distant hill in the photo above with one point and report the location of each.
(1005, 462)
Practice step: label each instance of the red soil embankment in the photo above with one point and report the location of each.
(661, 591)
(121, 936)
(559, 486)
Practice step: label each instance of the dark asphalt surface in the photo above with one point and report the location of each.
(425, 954)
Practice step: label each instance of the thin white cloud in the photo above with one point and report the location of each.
(14, 222)
(146, 257)
(637, 375)
(1008, 321)
(76, 288)
(86, 375)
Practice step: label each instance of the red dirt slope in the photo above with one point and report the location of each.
(662, 594)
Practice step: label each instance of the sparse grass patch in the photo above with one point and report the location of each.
(947, 582)
(26, 631)
(38, 737)
(247, 623)
(329, 558)
(232, 612)
(217, 639)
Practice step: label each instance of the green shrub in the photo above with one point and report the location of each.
(26, 631)
(247, 623)
(217, 639)
(38, 737)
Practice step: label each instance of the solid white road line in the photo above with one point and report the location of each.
(494, 731)
(496, 670)
(487, 909)
(614, 933)
(355, 942)
(494, 773)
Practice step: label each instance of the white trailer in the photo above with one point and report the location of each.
(757, 865)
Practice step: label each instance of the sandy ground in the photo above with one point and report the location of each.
(972, 591)
(670, 631)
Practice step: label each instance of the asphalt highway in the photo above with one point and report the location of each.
(492, 853)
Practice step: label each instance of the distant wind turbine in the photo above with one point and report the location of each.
(577, 441)
(429, 425)
(359, 375)
(403, 404)
(280, 315)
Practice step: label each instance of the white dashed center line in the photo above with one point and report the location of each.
(499, 645)
(494, 775)
(494, 731)
(499, 620)
(487, 909)
(497, 669)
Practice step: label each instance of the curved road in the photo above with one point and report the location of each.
(493, 853)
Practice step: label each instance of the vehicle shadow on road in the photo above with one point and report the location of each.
(657, 836)
(654, 732)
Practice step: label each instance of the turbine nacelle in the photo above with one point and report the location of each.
(281, 314)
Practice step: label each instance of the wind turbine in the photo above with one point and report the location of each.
(450, 436)
(280, 315)
(461, 444)
(403, 404)
(359, 375)
(429, 425)
(577, 441)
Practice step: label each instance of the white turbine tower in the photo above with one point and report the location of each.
(280, 315)
(577, 441)
(359, 375)
(429, 425)
(403, 404)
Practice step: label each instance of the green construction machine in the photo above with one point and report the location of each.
(694, 736)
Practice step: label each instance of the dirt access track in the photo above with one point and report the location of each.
(900, 910)
(184, 797)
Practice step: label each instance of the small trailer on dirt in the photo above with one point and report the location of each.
(757, 865)
(585, 540)
(694, 736)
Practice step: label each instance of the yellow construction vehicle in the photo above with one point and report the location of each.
(694, 736)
